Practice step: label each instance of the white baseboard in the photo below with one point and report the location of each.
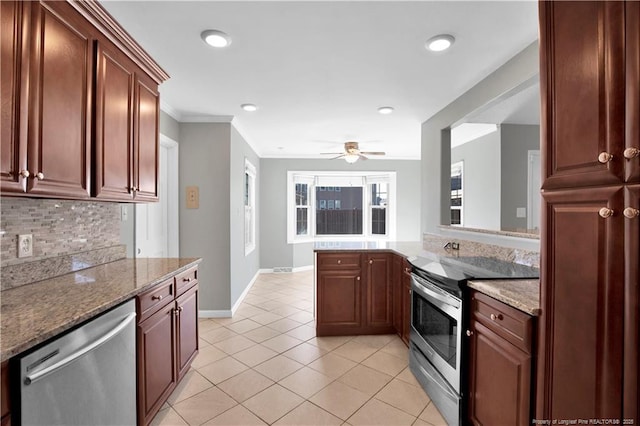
(214, 314)
(236, 305)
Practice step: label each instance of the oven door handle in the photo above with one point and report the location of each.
(446, 299)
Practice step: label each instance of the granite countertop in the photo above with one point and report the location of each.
(32, 314)
(520, 294)
(403, 248)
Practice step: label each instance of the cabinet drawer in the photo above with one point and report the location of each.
(338, 260)
(153, 299)
(185, 280)
(509, 323)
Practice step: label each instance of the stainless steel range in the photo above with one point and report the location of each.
(437, 351)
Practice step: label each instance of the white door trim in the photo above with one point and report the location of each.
(173, 223)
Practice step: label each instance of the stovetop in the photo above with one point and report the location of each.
(452, 273)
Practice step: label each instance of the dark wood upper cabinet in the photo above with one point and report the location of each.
(147, 149)
(80, 116)
(582, 86)
(13, 154)
(114, 124)
(632, 114)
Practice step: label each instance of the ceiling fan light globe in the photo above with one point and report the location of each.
(351, 158)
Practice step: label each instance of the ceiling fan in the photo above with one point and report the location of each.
(352, 153)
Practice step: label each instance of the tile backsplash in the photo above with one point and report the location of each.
(59, 227)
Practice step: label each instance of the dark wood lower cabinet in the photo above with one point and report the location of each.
(500, 364)
(167, 341)
(406, 302)
(156, 362)
(5, 414)
(339, 302)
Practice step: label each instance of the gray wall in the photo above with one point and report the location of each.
(516, 140)
(243, 268)
(481, 180)
(169, 126)
(434, 177)
(204, 232)
(276, 252)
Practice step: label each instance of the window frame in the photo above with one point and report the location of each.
(249, 207)
(459, 165)
(322, 180)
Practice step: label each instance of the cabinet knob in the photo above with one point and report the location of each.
(176, 312)
(357, 278)
(39, 176)
(605, 212)
(469, 333)
(370, 261)
(156, 297)
(339, 261)
(631, 213)
(133, 189)
(180, 308)
(495, 317)
(631, 153)
(605, 157)
(186, 280)
(25, 173)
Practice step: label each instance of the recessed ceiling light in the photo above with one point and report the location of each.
(216, 38)
(385, 110)
(440, 42)
(249, 107)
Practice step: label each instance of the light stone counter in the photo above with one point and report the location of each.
(520, 294)
(403, 248)
(34, 313)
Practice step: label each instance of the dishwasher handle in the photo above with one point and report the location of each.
(80, 352)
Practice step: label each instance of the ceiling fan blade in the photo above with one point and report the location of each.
(331, 153)
(362, 157)
(335, 158)
(373, 152)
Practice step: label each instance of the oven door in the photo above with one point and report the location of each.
(436, 328)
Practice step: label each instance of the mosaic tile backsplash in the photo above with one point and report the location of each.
(60, 228)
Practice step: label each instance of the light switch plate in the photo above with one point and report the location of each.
(25, 245)
(193, 197)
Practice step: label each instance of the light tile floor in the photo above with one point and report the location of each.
(265, 366)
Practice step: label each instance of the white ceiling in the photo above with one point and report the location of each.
(318, 70)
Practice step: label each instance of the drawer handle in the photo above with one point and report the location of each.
(469, 333)
(39, 176)
(496, 317)
(631, 213)
(186, 280)
(631, 153)
(339, 261)
(157, 297)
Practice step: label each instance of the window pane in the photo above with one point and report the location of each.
(301, 221)
(455, 217)
(346, 216)
(379, 194)
(379, 221)
(302, 194)
(246, 189)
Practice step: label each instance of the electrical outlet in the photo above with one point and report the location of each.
(25, 245)
(455, 246)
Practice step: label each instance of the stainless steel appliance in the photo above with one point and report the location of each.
(437, 350)
(85, 377)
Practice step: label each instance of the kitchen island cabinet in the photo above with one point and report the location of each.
(5, 413)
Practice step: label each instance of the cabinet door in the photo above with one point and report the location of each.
(582, 303)
(113, 167)
(187, 306)
(156, 362)
(61, 71)
(379, 290)
(339, 302)
(632, 126)
(13, 154)
(582, 86)
(499, 380)
(631, 402)
(406, 304)
(397, 285)
(147, 150)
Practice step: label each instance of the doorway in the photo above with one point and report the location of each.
(533, 190)
(156, 224)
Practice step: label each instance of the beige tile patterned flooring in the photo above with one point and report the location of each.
(265, 366)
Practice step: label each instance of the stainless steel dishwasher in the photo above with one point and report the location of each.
(84, 377)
